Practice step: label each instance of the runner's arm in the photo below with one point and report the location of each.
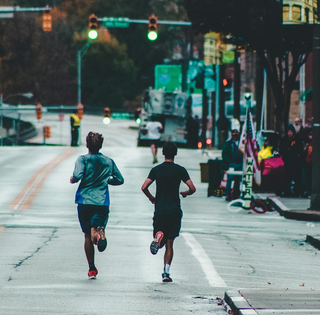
(116, 178)
(145, 189)
(192, 189)
(78, 170)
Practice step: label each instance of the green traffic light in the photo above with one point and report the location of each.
(152, 35)
(106, 120)
(93, 34)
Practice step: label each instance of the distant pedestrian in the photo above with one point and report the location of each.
(168, 213)
(232, 157)
(95, 172)
(154, 128)
(291, 151)
(299, 128)
(266, 151)
(75, 125)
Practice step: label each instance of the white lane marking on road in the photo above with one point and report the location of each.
(206, 264)
(248, 312)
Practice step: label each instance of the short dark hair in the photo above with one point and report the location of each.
(94, 141)
(169, 150)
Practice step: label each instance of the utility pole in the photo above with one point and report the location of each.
(80, 54)
(315, 188)
(237, 85)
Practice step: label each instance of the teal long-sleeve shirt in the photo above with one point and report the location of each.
(95, 172)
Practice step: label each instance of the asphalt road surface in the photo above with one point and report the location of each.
(42, 261)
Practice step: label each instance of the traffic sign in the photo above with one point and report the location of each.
(116, 22)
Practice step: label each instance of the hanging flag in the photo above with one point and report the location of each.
(248, 146)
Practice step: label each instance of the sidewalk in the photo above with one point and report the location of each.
(295, 209)
(267, 302)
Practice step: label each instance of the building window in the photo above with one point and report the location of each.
(296, 13)
(315, 15)
(285, 14)
(306, 14)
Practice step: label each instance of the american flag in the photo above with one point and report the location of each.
(248, 146)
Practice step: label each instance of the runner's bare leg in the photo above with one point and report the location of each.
(168, 255)
(88, 247)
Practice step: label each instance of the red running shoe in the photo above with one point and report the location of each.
(155, 245)
(92, 274)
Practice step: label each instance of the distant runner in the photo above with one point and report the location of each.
(95, 171)
(154, 133)
(168, 213)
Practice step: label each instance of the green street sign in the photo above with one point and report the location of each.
(227, 57)
(169, 77)
(120, 22)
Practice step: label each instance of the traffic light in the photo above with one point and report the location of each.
(39, 111)
(46, 132)
(137, 115)
(226, 83)
(80, 111)
(47, 21)
(93, 26)
(227, 89)
(107, 115)
(152, 30)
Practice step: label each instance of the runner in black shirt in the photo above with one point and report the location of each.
(168, 213)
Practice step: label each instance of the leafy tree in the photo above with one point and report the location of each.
(115, 69)
(35, 61)
(257, 25)
(109, 73)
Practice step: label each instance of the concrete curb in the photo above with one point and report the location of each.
(278, 301)
(296, 214)
(238, 303)
(313, 240)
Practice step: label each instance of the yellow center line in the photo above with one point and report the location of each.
(25, 198)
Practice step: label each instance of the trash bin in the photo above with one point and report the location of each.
(204, 172)
(215, 176)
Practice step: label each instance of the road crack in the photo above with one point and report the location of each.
(21, 262)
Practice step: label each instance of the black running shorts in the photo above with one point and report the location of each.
(92, 216)
(156, 142)
(168, 223)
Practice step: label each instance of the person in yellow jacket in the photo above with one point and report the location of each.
(75, 125)
(266, 151)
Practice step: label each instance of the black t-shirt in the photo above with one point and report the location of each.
(168, 177)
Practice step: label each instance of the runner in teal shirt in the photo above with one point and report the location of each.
(95, 172)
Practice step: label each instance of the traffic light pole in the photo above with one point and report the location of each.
(178, 23)
(80, 54)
